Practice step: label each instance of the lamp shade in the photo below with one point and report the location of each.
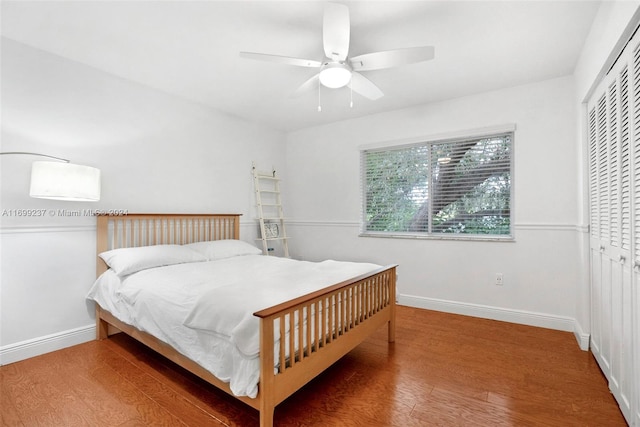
(65, 181)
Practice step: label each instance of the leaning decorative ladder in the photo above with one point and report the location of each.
(269, 206)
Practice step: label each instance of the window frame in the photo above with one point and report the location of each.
(453, 137)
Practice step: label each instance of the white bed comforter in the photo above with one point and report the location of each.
(205, 309)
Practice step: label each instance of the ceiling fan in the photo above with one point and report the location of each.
(338, 69)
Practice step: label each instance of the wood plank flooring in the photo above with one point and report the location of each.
(443, 370)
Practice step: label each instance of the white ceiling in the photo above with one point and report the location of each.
(190, 49)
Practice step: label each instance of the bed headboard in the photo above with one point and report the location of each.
(132, 230)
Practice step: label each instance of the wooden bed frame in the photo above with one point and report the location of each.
(353, 309)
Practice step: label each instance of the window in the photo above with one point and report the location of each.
(446, 188)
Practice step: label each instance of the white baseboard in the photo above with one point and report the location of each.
(522, 317)
(582, 337)
(34, 347)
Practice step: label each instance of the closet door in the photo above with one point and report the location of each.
(599, 197)
(634, 114)
(603, 229)
(624, 95)
(614, 193)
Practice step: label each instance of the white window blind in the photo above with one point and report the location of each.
(442, 188)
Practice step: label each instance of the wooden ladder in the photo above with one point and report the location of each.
(269, 206)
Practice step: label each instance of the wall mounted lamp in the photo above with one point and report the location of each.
(62, 180)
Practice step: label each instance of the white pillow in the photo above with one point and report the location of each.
(125, 261)
(220, 249)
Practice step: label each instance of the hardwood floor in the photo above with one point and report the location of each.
(444, 369)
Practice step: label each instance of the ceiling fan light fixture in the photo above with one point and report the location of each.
(335, 75)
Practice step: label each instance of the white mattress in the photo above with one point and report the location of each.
(217, 299)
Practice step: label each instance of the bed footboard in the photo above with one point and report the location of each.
(316, 330)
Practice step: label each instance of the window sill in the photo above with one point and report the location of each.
(449, 237)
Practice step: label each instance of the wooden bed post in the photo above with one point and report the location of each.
(392, 298)
(266, 385)
(236, 227)
(102, 242)
(102, 327)
(102, 224)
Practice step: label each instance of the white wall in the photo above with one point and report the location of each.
(157, 153)
(541, 268)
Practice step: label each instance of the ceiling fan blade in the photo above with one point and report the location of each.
(282, 59)
(391, 58)
(365, 87)
(307, 86)
(336, 31)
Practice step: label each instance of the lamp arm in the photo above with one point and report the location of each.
(35, 154)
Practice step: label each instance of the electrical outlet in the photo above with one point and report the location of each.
(499, 279)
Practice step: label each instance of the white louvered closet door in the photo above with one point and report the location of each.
(613, 119)
(634, 112)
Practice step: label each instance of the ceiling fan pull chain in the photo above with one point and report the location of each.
(351, 90)
(319, 106)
